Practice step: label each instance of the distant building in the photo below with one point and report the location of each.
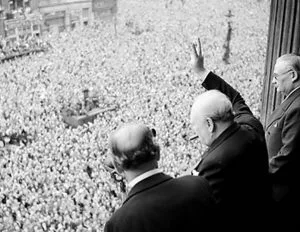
(59, 15)
(20, 17)
(16, 19)
(104, 8)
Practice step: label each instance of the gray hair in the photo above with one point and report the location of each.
(216, 105)
(143, 151)
(291, 59)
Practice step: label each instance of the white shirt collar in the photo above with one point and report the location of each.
(143, 177)
(292, 92)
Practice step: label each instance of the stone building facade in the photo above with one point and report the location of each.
(55, 15)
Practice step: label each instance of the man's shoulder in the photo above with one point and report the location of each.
(120, 219)
(239, 137)
(126, 212)
(294, 104)
(242, 141)
(287, 109)
(190, 180)
(291, 103)
(180, 185)
(192, 184)
(251, 124)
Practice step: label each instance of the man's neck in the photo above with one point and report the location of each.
(222, 127)
(133, 173)
(295, 87)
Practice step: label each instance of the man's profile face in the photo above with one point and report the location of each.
(200, 126)
(282, 77)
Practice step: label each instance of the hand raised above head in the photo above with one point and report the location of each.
(197, 58)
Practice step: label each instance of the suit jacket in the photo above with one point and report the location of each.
(283, 141)
(162, 203)
(236, 163)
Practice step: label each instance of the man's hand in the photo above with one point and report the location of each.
(197, 59)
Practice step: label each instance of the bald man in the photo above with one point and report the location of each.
(156, 201)
(236, 161)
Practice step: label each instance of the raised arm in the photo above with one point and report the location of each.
(243, 114)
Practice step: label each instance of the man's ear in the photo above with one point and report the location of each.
(295, 76)
(117, 166)
(210, 125)
(153, 131)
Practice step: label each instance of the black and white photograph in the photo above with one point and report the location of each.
(149, 115)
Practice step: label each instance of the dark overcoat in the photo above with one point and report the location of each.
(162, 203)
(283, 142)
(236, 163)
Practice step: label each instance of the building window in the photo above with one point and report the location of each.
(18, 4)
(85, 13)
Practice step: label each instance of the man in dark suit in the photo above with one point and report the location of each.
(156, 201)
(283, 142)
(236, 161)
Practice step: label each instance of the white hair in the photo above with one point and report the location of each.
(292, 60)
(213, 104)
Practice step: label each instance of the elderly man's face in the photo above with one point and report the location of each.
(201, 127)
(282, 77)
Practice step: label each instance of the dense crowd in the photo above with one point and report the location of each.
(57, 181)
(11, 49)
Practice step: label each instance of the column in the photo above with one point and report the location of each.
(283, 37)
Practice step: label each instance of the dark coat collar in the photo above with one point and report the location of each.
(287, 102)
(225, 134)
(279, 111)
(148, 183)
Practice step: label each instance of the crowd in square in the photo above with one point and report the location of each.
(57, 180)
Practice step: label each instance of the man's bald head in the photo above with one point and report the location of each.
(210, 108)
(132, 145)
(213, 104)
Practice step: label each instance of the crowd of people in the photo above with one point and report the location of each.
(57, 182)
(29, 44)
